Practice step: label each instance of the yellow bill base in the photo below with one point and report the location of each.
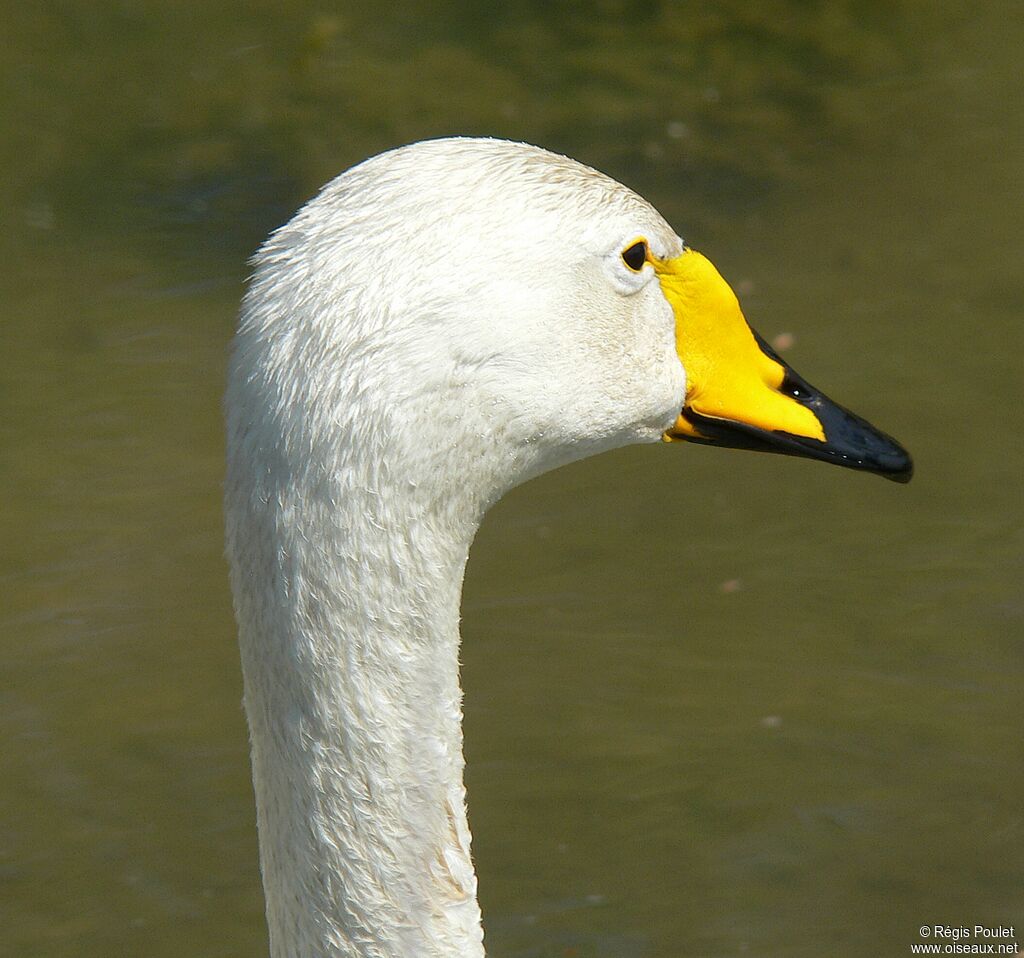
(728, 376)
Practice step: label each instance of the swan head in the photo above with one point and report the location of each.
(485, 310)
(442, 322)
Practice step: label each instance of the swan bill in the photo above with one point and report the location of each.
(740, 394)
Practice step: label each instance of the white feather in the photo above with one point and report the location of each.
(441, 323)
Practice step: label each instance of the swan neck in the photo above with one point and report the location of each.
(349, 637)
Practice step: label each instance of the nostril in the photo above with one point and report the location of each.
(798, 391)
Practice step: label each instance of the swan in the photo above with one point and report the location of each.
(441, 323)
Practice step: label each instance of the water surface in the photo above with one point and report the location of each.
(716, 703)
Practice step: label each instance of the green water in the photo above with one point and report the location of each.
(716, 704)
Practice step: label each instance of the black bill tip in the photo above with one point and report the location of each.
(850, 441)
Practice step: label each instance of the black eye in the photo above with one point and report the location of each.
(635, 256)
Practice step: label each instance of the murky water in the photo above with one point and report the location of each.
(717, 704)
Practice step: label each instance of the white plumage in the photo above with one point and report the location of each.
(441, 323)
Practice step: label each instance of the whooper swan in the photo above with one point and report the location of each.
(441, 323)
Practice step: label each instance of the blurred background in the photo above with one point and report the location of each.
(716, 703)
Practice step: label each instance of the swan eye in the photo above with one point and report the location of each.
(635, 256)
